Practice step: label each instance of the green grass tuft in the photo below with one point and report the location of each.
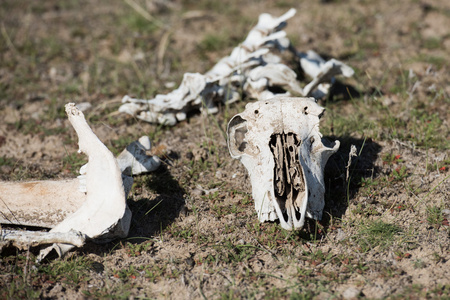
(373, 234)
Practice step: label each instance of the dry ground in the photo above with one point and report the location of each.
(385, 232)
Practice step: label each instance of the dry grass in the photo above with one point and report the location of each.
(385, 232)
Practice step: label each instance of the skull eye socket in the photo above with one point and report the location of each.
(239, 138)
(237, 128)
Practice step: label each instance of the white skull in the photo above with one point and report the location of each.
(279, 143)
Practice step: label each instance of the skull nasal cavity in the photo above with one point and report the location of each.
(287, 173)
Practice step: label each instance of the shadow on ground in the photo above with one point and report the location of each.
(152, 216)
(342, 91)
(149, 216)
(342, 182)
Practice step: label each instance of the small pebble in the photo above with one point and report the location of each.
(351, 293)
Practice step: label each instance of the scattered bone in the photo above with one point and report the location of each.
(25, 239)
(134, 156)
(105, 204)
(322, 72)
(252, 68)
(98, 211)
(279, 143)
(261, 78)
(164, 108)
(133, 160)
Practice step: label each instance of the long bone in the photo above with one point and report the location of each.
(279, 143)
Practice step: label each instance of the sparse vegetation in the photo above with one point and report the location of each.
(194, 231)
(373, 234)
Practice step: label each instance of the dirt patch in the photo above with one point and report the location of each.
(195, 233)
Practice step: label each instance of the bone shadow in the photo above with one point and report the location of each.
(340, 91)
(339, 191)
(149, 216)
(152, 216)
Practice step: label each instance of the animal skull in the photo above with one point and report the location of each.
(279, 143)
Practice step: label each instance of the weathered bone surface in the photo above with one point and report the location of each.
(135, 158)
(47, 203)
(25, 239)
(322, 72)
(279, 143)
(98, 211)
(39, 203)
(272, 74)
(105, 206)
(252, 67)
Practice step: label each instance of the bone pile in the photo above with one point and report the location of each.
(253, 67)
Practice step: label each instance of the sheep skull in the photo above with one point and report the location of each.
(279, 143)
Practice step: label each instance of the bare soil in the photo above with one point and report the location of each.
(194, 232)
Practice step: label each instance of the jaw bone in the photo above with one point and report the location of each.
(90, 207)
(104, 210)
(47, 203)
(279, 143)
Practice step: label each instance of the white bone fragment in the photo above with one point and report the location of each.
(279, 143)
(270, 75)
(101, 212)
(240, 60)
(134, 157)
(251, 68)
(105, 206)
(321, 71)
(311, 62)
(133, 160)
(164, 108)
(24, 239)
(266, 26)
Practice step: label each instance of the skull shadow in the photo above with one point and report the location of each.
(342, 181)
